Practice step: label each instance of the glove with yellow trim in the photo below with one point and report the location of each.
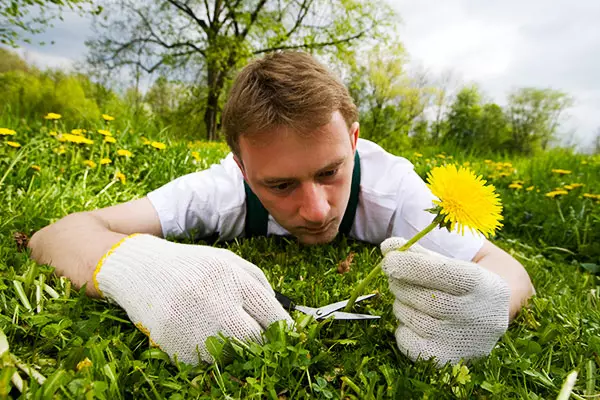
(181, 294)
(447, 308)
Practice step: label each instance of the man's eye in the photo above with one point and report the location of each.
(282, 187)
(330, 173)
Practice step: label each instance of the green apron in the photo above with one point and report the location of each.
(257, 217)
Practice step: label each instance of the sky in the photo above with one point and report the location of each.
(500, 45)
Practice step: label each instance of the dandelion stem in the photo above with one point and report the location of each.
(375, 271)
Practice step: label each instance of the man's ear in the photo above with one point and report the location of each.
(354, 133)
(240, 165)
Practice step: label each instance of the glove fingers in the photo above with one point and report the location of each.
(437, 304)
(262, 305)
(395, 243)
(250, 268)
(411, 344)
(424, 325)
(435, 272)
(239, 324)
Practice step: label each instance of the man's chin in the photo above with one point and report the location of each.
(321, 238)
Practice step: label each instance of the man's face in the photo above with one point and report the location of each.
(303, 180)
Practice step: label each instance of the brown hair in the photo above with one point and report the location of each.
(290, 89)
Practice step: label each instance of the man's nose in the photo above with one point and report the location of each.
(314, 207)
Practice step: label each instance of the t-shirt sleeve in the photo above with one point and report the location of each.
(414, 197)
(202, 204)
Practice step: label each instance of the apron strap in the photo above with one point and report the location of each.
(257, 217)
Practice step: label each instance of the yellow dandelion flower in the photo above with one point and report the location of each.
(145, 140)
(36, 167)
(576, 185)
(561, 171)
(465, 200)
(105, 161)
(77, 131)
(85, 363)
(504, 174)
(591, 196)
(67, 137)
(13, 144)
(107, 117)
(104, 132)
(568, 187)
(442, 156)
(418, 154)
(196, 155)
(488, 161)
(52, 133)
(109, 139)
(60, 150)
(507, 165)
(7, 132)
(519, 182)
(555, 193)
(530, 188)
(120, 176)
(158, 145)
(89, 163)
(515, 185)
(53, 116)
(124, 153)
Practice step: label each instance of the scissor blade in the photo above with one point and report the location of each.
(347, 315)
(328, 309)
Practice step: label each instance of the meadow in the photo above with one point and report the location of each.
(63, 344)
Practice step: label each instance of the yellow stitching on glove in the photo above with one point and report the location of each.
(99, 265)
(146, 332)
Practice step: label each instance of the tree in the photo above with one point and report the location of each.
(464, 117)
(205, 41)
(535, 116)
(19, 18)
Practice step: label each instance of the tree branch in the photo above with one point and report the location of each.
(312, 46)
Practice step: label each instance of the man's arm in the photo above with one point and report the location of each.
(496, 260)
(75, 244)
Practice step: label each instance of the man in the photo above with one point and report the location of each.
(297, 168)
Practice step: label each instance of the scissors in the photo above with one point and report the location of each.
(327, 311)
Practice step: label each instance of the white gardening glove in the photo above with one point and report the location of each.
(180, 294)
(448, 309)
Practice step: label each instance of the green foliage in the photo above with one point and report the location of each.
(89, 348)
(16, 22)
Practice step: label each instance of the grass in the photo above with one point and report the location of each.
(85, 348)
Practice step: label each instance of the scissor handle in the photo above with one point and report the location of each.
(285, 301)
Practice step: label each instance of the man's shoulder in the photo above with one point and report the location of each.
(381, 172)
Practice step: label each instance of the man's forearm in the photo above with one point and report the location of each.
(73, 246)
(498, 261)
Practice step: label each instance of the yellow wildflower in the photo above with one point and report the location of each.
(515, 185)
(519, 182)
(104, 132)
(52, 133)
(77, 131)
(85, 363)
(507, 165)
(145, 140)
(53, 116)
(109, 139)
(105, 161)
(591, 196)
(107, 117)
(67, 137)
(503, 174)
(442, 156)
(196, 155)
(89, 163)
(13, 144)
(465, 200)
(120, 176)
(488, 161)
(530, 188)
(576, 185)
(60, 150)
(124, 153)
(418, 154)
(36, 167)
(6, 132)
(561, 171)
(158, 145)
(555, 193)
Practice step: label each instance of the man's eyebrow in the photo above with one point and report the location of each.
(331, 165)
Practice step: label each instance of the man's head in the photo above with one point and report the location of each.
(292, 127)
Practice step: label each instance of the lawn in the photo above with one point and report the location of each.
(85, 348)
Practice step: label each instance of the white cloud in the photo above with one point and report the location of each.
(510, 44)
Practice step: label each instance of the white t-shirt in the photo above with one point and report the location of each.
(392, 202)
